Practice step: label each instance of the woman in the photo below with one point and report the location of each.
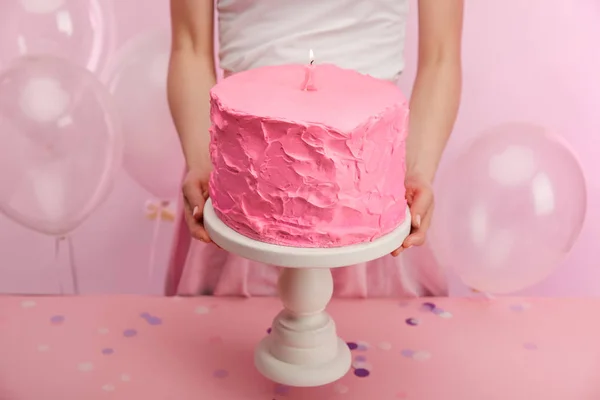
(364, 35)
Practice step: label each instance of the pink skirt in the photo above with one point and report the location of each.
(197, 268)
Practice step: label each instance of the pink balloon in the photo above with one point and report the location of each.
(79, 30)
(509, 209)
(60, 145)
(138, 82)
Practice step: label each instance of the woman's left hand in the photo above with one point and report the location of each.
(419, 197)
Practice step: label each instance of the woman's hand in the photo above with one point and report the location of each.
(419, 197)
(195, 194)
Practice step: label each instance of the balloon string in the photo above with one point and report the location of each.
(72, 266)
(57, 264)
(152, 260)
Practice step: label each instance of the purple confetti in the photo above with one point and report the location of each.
(282, 390)
(57, 319)
(412, 321)
(361, 372)
(220, 374)
(437, 311)
(360, 358)
(407, 353)
(269, 331)
(428, 306)
(145, 315)
(530, 346)
(154, 321)
(129, 333)
(107, 351)
(352, 345)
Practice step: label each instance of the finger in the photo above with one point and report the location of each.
(397, 252)
(194, 195)
(420, 206)
(417, 236)
(195, 226)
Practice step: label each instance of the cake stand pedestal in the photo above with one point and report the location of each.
(303, 348)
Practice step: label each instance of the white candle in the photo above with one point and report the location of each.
(309, 72)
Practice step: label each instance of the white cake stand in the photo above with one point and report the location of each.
(303, 348)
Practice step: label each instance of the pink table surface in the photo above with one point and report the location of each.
(136, 348)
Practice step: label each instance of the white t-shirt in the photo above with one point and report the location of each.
(364, 35)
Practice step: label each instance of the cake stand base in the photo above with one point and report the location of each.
(303, 348)
(302, 375)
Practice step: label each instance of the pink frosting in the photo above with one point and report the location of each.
(322, 168)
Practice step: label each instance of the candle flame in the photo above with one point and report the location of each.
(311, 56)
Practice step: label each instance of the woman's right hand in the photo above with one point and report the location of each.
(195, 194)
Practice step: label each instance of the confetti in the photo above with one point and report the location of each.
(352, 345)
(361, 373)
(407, 353)
(28, 304)
(107, 351)
(269, 330)
(108, 388)
(220, 374)
(125, 378)
(341, 389)
(362, 346)
(154, 321)
(412, 321)
(150, 319)
(57, 319)
(421, 356)
(282, 389)
(85, 367)
(43, 348)
(428, 306)
(362, 365)
(445, 314)
(201, 310)
(360, 358)
(385, 346)
(129, 333)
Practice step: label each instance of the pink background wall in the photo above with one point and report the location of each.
(534, 60)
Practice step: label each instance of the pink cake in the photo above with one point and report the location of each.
(321, 168)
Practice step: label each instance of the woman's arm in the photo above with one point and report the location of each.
(436, 92)
(191, 76)
(433, 107)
